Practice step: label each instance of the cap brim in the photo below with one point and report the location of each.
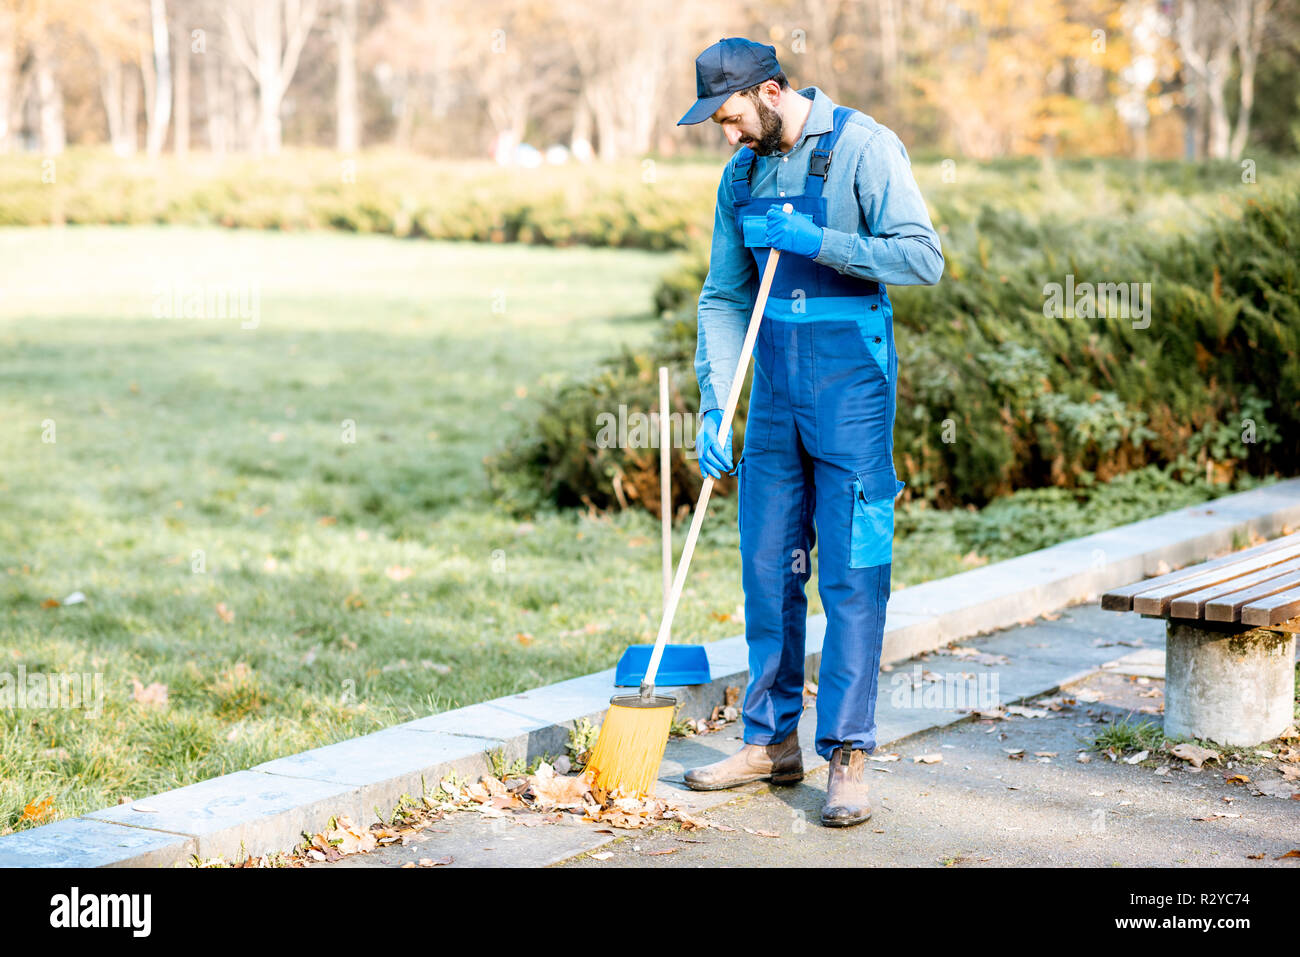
(703, 109)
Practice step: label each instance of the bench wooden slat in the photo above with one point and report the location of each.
(1272, 610)
(1121, 599)
(1280, 576)
(1155, 601)
(1228, 607)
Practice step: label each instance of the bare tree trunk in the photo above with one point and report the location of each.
(216, 100)
(889, 50)
(405, 110)
(580, 139)
(8, 48)
(1249, 18)
(160, 111)
(345, 38)
(245, 110)
(181, 134)
(49, 97)
(130, 109)
(110, 90)
(271, 59)
(1218, 79)
(1207, 52)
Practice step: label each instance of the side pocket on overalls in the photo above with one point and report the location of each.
(740, 497)
(875, 335)
(871, 538)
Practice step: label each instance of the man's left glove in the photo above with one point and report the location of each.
(793, 233)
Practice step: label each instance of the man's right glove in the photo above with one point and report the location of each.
(714, 456)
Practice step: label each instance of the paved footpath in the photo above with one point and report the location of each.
(1006, 792)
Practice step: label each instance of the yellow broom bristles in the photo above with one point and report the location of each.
(629, 749)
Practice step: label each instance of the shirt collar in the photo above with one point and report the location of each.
(819, 117)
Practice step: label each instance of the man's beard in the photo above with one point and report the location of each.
(770, 126)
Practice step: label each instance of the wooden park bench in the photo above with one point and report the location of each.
(1230, 645)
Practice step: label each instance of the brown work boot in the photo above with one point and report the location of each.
(779, 763)
(846, 793)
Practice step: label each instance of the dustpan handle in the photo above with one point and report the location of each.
(697, 520)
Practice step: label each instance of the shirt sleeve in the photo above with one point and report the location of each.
(901, 247)
(725, 303)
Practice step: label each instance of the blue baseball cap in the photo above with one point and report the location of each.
(729, 66)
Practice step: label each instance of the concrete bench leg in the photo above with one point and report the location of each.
(1226, 685)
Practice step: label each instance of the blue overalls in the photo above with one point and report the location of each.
(817, 466)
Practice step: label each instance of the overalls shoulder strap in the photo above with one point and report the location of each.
(740, 174)
(819, 163)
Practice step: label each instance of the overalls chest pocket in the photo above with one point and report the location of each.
(871, 535)
(754, 230)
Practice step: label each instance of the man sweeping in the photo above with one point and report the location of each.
(818, 459)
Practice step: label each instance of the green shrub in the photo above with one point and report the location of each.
(994, 396)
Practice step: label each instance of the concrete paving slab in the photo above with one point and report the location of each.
(390, 763)
(81, 842)
(1148, 663)
(979, 808)
(245, 811)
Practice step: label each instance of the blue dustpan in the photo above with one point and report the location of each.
(680, 665)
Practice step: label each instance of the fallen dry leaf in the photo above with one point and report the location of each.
(927, 759)
(551, 790)
(1193, 754)
(1290, 853)
(155, 694)
(1278, 789)
(224, 613)
(602, 856)
(38, 810)
(1237, 779)
(1024, 712)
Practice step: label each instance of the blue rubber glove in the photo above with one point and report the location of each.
(793, 233)
(715, 458)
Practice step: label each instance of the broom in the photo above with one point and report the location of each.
(632, 739)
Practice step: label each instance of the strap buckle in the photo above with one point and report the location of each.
(819, 163)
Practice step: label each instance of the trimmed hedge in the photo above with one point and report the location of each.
(626, 204)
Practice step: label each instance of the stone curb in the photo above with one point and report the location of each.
(268, 807)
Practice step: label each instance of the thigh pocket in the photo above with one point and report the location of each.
(871, 537)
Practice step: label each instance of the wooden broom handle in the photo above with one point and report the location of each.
(697, 520)
(665, 483)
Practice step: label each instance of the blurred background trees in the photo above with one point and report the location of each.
(981, 79)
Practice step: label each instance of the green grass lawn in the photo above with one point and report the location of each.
(364, 582)
(290, 587)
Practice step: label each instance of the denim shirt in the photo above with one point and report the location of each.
(877, 228)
